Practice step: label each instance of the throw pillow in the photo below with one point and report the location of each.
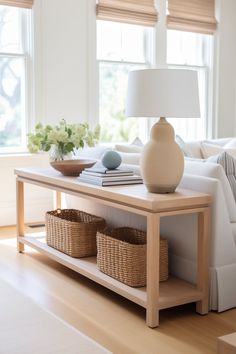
(95, 152)
(194, 159)
(229, 165)
(137, 141)
(231, 144)
(210, 150)
(183, 146)
(231, 151)
(128, 148)
(130, 158)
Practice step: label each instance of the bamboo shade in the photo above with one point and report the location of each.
(140, 12)
(192, 15)
(17, 3)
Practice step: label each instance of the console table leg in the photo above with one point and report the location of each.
(57, 200)
(153, 246)
(202, 306)
(20, 214)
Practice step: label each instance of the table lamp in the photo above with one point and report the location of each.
(162, 93)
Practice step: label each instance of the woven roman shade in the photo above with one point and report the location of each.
(192, 15)
(17, 3)
(141, 12)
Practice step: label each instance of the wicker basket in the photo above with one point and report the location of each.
(122, 255)
(73, 231)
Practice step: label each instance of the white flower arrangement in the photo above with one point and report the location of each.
(65, 138)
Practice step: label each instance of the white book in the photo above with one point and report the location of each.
(98, 174)
(110, 178)
(99, 168)
(99, 182)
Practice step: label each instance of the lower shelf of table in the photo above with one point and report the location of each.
(173, 292)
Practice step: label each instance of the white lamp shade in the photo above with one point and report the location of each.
(163, 93)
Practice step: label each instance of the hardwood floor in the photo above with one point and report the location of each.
(111, 320)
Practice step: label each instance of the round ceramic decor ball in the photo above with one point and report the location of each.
(111, 160)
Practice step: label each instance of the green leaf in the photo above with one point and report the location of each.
(69, 131)
(47, 147)
(69, 147)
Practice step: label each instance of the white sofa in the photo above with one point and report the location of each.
(181, 230)
(210, 178)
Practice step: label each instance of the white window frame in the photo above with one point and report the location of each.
(159, 59)
(27, 90)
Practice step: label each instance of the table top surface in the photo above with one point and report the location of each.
(131, 195)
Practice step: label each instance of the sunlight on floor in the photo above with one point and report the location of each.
(8, 241)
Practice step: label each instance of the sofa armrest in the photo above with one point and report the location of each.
(222, 250)
(216, 171)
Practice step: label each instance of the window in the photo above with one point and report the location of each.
(120, 48)
(192, 51)
(14, 51)
(123, 47)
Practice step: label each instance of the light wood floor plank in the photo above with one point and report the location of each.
(113, 321)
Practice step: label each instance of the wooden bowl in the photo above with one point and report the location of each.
(72, 167)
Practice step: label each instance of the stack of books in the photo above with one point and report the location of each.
(101, 176)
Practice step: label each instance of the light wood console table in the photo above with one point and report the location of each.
(135, 199)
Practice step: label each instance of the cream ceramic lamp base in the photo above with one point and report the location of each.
(162, 161)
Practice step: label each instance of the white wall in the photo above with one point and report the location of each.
(61, 29)
(37, 199)
(225, 74)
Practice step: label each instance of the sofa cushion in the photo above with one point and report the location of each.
(220, 141)
(136, 146)
(130, 158)
(229, 165)
(186, 158)
(137, 141)
(183, 146)
(231, 144)
(211, 150)
(128, 148)
(195, 149)
(95, 152)
(195, 146)
(190, 148)
(214, 170)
